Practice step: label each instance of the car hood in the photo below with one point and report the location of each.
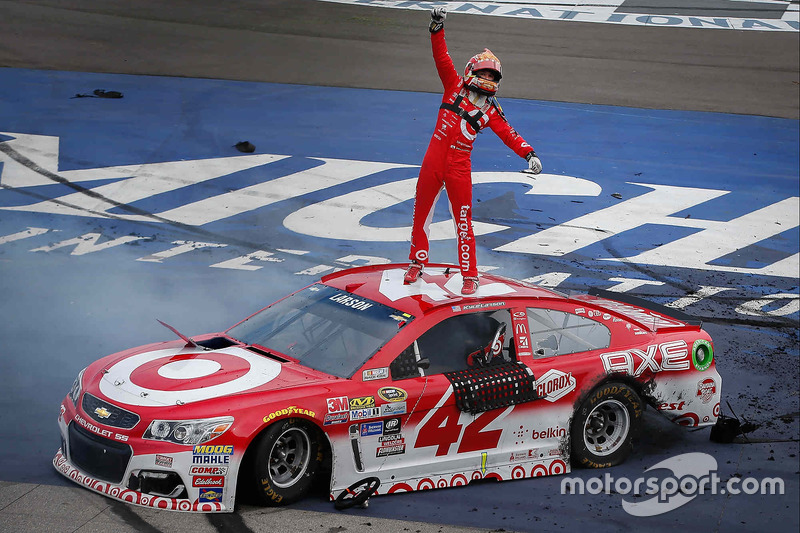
(165, 375)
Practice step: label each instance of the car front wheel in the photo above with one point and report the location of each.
(604, 426)
(286, 461)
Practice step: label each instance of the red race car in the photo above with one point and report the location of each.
(365, 382)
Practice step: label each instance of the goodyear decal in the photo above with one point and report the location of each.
(289, 411)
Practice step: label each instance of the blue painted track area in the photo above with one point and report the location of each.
(115, 212)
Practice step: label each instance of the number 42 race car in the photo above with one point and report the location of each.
(371, 385)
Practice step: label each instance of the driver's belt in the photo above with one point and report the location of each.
(473, 120)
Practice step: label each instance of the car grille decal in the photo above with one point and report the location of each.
(481, 389)
(107, 413)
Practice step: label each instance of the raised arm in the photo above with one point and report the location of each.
(444, 64)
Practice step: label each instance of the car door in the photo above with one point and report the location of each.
(456, 425)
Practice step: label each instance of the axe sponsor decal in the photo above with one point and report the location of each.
(674, 356)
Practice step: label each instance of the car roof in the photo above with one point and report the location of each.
(439, 286)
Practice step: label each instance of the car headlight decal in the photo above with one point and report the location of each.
(188, 432)
(77, 385)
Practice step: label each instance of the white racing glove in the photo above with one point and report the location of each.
(438, 14)
(534, 164)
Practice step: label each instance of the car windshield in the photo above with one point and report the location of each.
(325, 328)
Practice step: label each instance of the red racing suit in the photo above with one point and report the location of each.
(447, 163)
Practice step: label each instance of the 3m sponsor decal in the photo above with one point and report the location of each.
(349, 301)
(398, 408)
(336, 418)
(371, 428)
(364, 414)
(163, 460)
(338, 405)
(375, 373)
(392, 394)
(702, 355)
(211, 495)
(208, 470)
(391, 426)
(706, 389)
(554, 385)
(668, 356)
(208, 481)
(360, 403)
(289, 411)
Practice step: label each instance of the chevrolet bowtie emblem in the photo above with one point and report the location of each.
(102, 412)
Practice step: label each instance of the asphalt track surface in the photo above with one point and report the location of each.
(319, 44)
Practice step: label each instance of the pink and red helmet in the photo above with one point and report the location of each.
(485, 60)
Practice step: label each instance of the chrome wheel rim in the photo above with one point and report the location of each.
(289, 457)
(606, 428)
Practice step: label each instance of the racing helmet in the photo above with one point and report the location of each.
(485, 60)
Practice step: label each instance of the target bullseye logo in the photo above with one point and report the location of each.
(169, 377)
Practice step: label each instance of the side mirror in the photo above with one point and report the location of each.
(424, 363)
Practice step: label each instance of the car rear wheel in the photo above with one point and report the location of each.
(286, 462)
(604, 426)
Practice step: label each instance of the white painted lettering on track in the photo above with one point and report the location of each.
(753, 15)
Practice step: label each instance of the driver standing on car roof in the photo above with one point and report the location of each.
(468, 105)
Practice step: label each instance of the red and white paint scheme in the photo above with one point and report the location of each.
(361, 376)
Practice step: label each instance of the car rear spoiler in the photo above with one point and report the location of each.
(668, 312)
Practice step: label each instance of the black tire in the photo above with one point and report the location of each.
(357, 493)
(285, 461)
(605, 425)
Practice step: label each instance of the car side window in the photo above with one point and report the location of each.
(558, 333)
(447, 346)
